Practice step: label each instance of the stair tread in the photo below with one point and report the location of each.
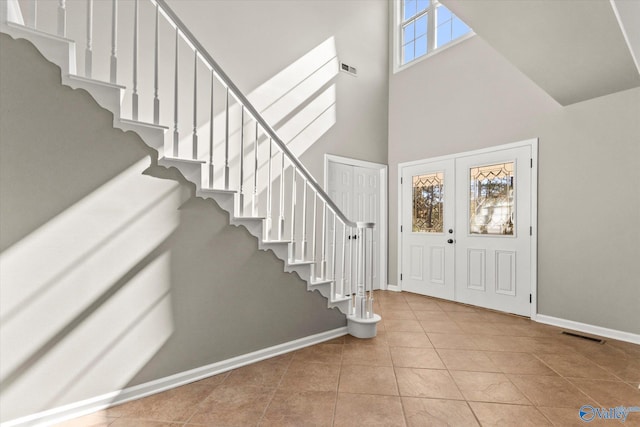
(249, 217)
(145, 124)
(218, 190)
(320, 282)
(96, 82)
(276, 242)
(299, 262)
(39, 32)
(340, 299)
(181, 160)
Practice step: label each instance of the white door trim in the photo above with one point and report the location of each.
(533, 143)
(382, 170)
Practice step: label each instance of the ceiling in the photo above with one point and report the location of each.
(575, 50)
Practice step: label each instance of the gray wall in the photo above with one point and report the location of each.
(113, 274)
(255, 40)
(468, 97)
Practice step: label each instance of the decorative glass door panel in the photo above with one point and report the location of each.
(428, 207)
(491, 199)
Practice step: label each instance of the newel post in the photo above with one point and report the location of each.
(362, 322)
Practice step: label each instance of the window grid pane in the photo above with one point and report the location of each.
(409, 7)
(415, 31)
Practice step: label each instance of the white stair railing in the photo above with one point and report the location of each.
(341, 249)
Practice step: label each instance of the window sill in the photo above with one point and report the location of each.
(398, 68)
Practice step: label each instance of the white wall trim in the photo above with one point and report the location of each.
(393, 288)
(88, 406)
(384, 202)
(587, 328)
(532, 141)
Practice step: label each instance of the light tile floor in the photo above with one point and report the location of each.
(433, 363)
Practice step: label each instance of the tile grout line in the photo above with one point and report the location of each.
(199, 405)
(335, 403)
(275, 389)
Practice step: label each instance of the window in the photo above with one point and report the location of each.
(426, 25)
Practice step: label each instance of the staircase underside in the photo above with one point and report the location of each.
(62, 52)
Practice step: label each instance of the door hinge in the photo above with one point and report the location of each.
(531, 163)
(400, 180)
(530, 298)
(530, 230)
(400, 276)
(401, 229)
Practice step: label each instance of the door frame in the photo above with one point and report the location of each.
(383, 222)
(533, 143)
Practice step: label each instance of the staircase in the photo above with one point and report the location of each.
(201, 124)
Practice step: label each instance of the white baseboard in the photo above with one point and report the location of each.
(393, 288)
(590, 329)
(88, 406)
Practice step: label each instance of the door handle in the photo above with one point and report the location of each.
(450, 241)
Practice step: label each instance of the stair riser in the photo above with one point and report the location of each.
(301, 270)
(254, 226)
(191, 171)
(60, 52)
(107, 97)
(343, 306)
(279, 250)
(154, 138)
(324, 289)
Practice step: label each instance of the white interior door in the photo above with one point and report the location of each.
(427, 229)
(366, 206)
(493, 238)
(356, 191)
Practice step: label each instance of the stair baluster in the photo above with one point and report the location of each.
(313, 273)
(292, 245)
(176, 134)
(343, 279)
(323, 261)
(88, 53)
(268, 221)
(254, 201)
(226, 141)
(113, 70)
(32, 14)
(281, 219)
(241, 190)
(62, 18)
(134, 96)
(211, 113)
(334, 249)
(156, 59)
(303, 241)
(194, 146)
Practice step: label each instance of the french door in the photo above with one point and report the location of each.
(466, 225)
(427, 229)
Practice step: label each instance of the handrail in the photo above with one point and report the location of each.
(252, 110)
